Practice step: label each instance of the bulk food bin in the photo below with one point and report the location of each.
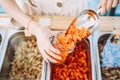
(2, 39)
(72, 69)
(2, 36)
(16, 63)
(107, 56)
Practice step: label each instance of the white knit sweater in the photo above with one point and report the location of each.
(50, 7)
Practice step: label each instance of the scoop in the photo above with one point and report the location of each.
(88, 19)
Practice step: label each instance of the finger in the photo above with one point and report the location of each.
(42, 52)
(54, 49)
(104, 5)
(109, 5)
(119, 1)
(115, 2)
(44, 57)
(99, 6)
(49, 58)
(103, 10)
(53, 55)
(53, 33)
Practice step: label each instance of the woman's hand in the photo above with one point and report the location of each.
(106, 5)
(43, 35)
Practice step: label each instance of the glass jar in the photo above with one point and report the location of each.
(64, 48)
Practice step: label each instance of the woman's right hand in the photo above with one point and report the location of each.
(43, 35)
(106, 5)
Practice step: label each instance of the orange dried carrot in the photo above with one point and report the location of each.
(68, 39)
(75, 66)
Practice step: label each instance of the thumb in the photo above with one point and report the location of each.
(99, 6)
(54, 33)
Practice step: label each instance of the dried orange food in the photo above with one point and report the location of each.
(68, 39)
(75, 66)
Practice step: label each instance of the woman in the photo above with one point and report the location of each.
(47, 7)
(42, 7)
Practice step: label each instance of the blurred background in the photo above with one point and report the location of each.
(92, 4)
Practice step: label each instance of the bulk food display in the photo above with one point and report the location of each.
(23, 60)
(109, 53)
(84, 56)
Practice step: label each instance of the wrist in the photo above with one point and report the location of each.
(34, 27)
(26, 31)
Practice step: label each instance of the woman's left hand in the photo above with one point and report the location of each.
(43, 34)
(106, 5)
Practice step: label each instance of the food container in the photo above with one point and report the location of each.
(15, 38)
(0, 39)
(89, 62)
(63, 49)
(2, 35)
(107, 60)
(110, 69)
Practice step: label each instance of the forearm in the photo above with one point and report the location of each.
(14, 11)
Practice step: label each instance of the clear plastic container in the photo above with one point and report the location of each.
(88, 19)
(64, 49)
(57, 45)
